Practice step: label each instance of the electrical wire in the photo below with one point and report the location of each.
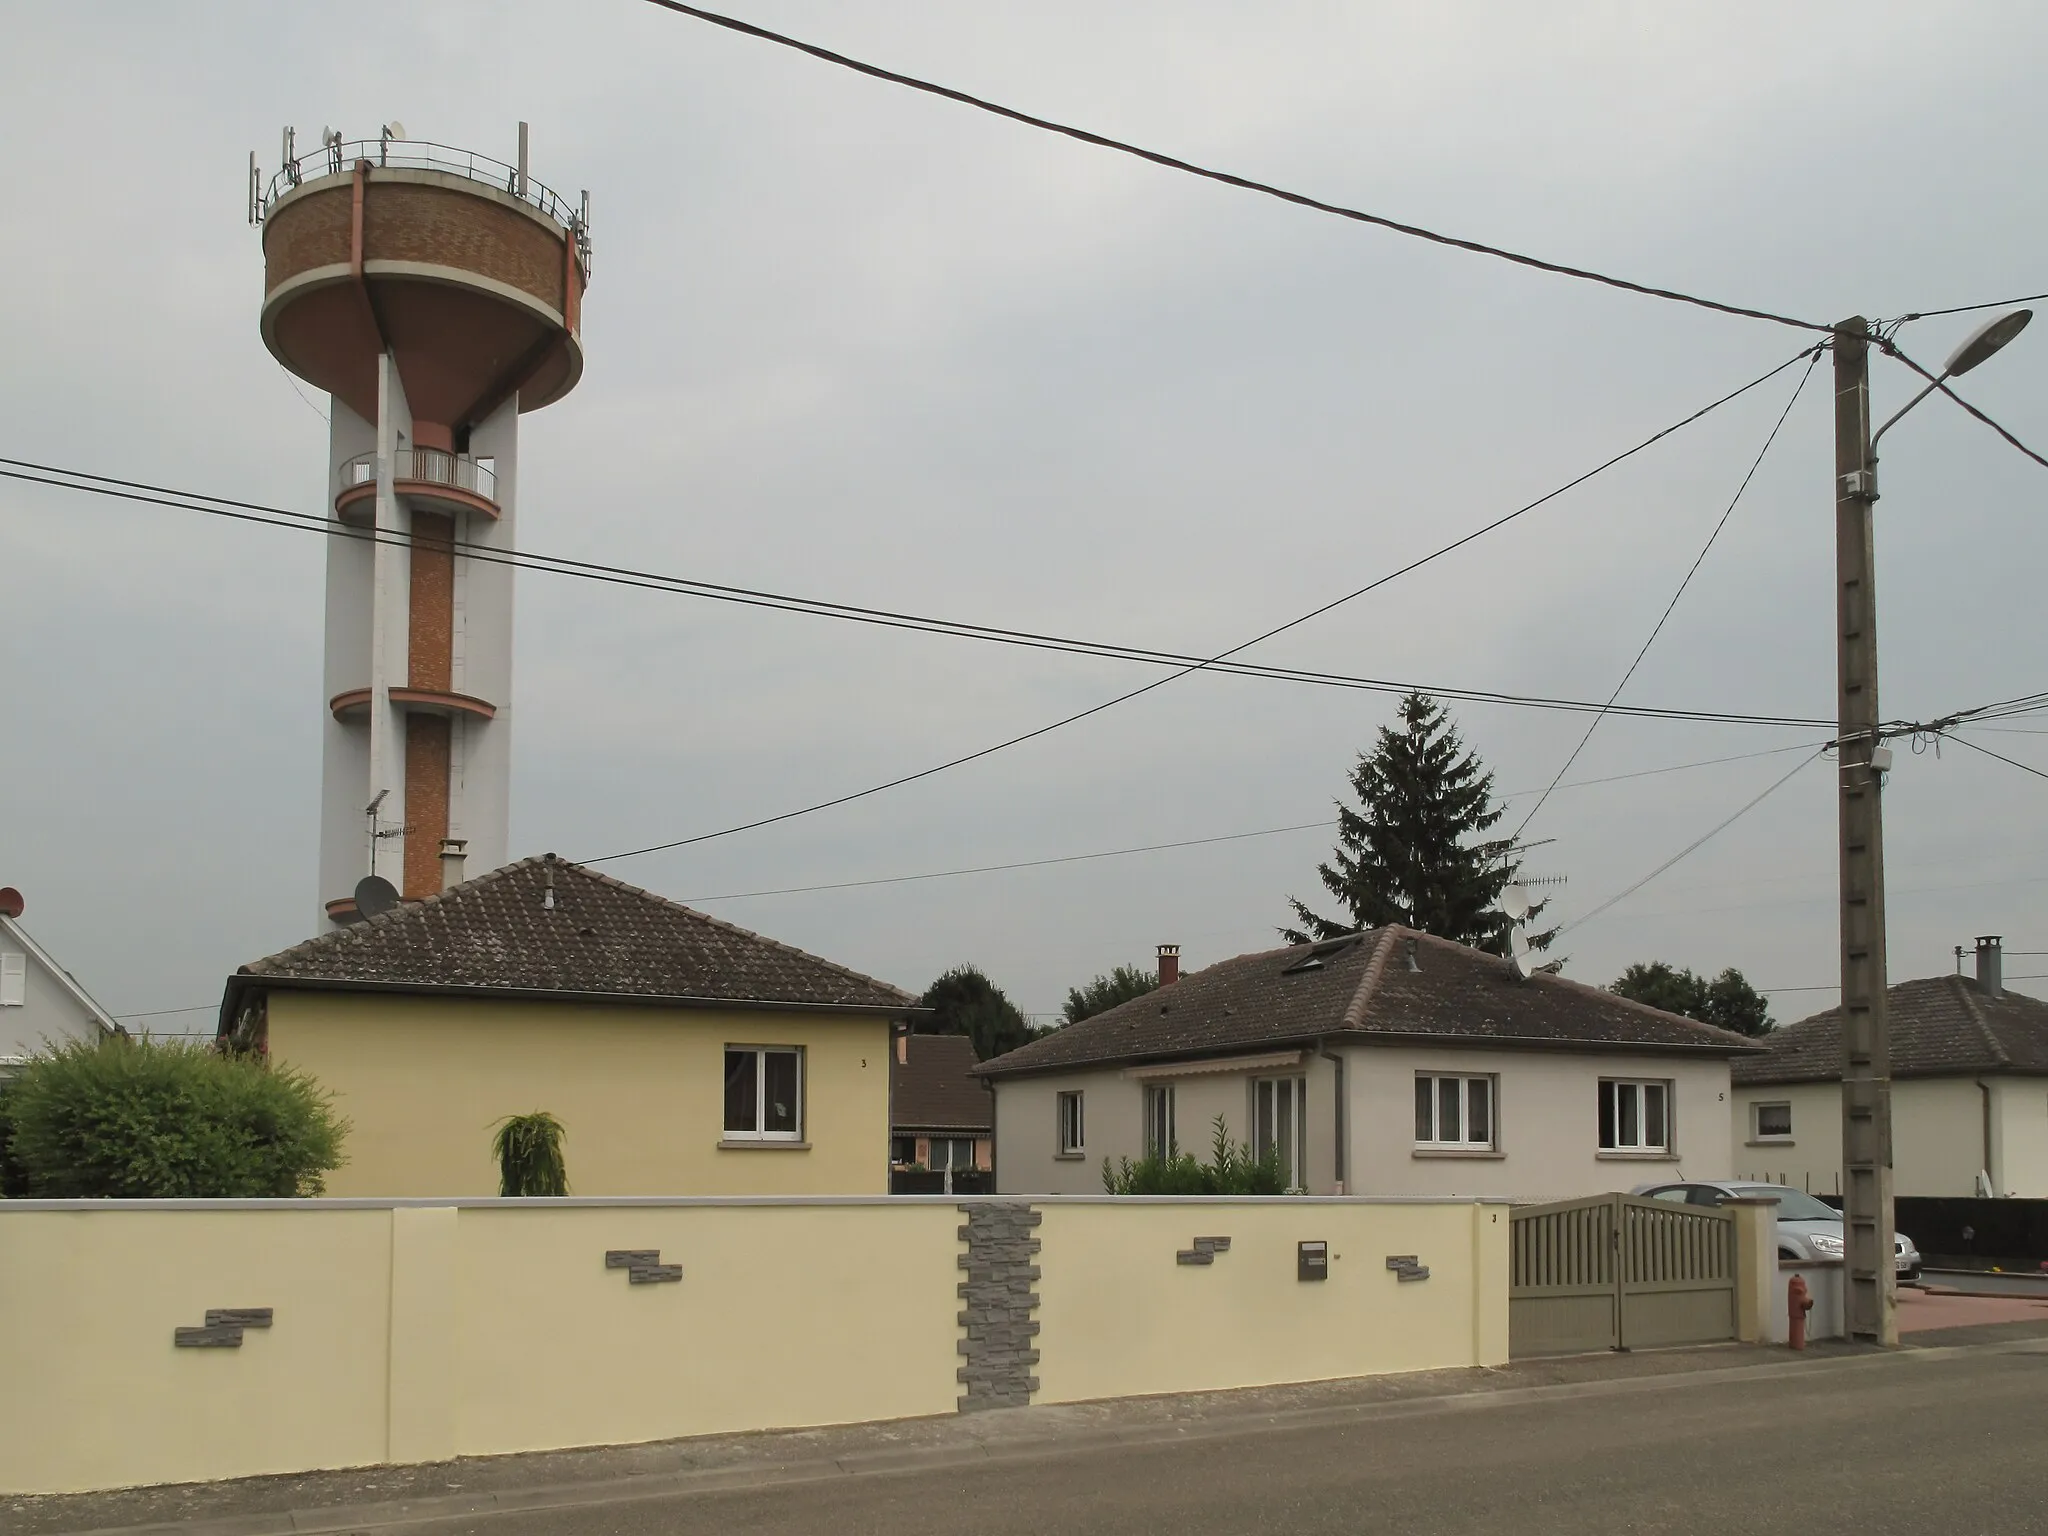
(1096, 709)
(1672, 606)
(280, 517)
(1174, 163)
(1195, 842)
(1964, 309)
(1940, 382)
(1690, 848)
(2012, 761)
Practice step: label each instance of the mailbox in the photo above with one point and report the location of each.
(1312, 1261)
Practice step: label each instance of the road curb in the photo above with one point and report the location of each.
(332, 1520)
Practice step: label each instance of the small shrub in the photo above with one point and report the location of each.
(529, 1153)
(1231, 1170)
(141, 1119)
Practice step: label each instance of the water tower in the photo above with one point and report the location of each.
(434, 294)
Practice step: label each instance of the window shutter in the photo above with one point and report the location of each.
(13, 980)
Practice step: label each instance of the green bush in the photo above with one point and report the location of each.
(1231, 1170)
(140, 1119)
(529, 1153)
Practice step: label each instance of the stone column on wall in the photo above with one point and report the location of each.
(999, 1295)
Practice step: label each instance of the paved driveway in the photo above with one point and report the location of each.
(1920, 1311)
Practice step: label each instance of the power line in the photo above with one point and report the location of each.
(1940, 382)
(1672, 606)
(280, 517)
(2014, 762)
(153, 1013)
(1964, 309)
(1414, 565)
(1690, 848)
(1174, 163)
(990, 869)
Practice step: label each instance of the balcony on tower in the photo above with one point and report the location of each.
(432, 478)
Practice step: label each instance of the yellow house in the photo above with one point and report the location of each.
(683, 1055)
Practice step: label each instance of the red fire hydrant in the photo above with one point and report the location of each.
(1798, 1302)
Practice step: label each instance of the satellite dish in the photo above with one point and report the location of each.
(375, 896)
(1515, 902)
(1525, 963)
(10, 901)
(395, 128)
(1518, 942)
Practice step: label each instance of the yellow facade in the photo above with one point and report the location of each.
(423, 1080)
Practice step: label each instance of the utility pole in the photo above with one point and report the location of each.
(1871, 1293)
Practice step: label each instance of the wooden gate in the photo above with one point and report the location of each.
(1616, 1272)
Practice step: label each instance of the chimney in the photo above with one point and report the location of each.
(1169, 964)
(1991, 965)
(452, 851)
(1414, 964)
(902, 1045)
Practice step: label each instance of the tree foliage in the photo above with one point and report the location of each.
(1105, 992)
(1728, 1001)
(1413, 850)
(1231, 1170)
(529, 1153)
(143, 1119)
(965, 1002)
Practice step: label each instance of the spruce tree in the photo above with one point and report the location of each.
(1413, 851)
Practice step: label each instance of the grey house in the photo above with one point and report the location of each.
(40, 1002)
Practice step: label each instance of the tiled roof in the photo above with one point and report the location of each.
(1942, 1026)
(544, 925)
(1362, 987)
(936, 1089)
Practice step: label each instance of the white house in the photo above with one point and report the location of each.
(40, 1001)
(1969, 1091)
(1388, 1062)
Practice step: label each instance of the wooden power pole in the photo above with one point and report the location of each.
(1871, 1292)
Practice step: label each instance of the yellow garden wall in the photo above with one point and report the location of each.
(1119, 1316)
(420, 1331)
(422, 1081)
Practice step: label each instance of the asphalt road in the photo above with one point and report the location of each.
(1945, 1444)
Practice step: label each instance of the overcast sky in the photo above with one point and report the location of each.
(856, 343)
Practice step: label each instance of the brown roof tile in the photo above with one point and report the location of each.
(1941, 1026)
(594, 936)
(936, 1089)
(1362, 987)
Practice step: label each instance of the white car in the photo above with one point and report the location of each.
(1807, 1228)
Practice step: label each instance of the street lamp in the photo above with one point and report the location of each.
(1976, 347)
(1870, 1278)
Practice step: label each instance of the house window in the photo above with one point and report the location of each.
(951, 1152)
(1159, 1139)
(1071, 1138)
(1634, 1116)
(902, 1150)
(1454, 1113)
(1280, 1124)
(13, 980)
(1771, 1122)
(764, 1087)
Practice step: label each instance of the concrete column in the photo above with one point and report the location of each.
(424, 1367)
(1491, 1273)
(1756, 1266)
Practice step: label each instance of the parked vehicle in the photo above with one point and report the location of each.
(1807, 1229)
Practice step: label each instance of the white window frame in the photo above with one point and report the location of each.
(761, 1053)
(1271, 1094)
(1756, 1120)
(1070, 1135)
(1160, 1140)
(13, 979)
(1614, 1093)
(1462, 1083)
